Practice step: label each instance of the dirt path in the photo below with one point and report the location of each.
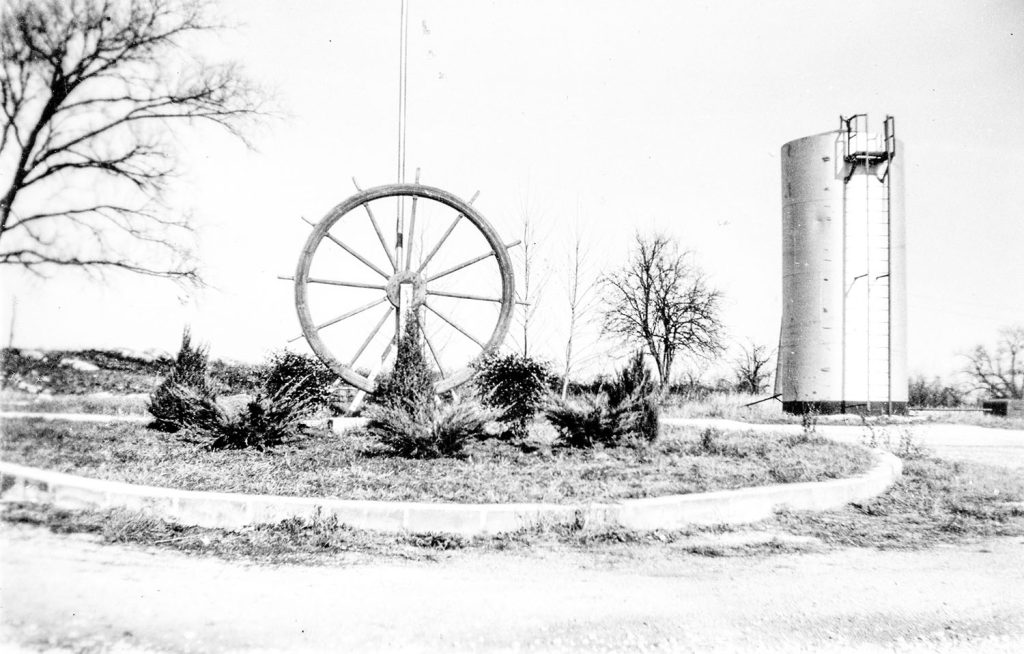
(74, 593)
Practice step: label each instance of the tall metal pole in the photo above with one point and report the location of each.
(403, 85)
(846, 285)
(867, 238)
(888, 259)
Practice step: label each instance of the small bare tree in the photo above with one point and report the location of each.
(663, 300)
(999, 373)
(581, 285)
(534, 277)
(752, 368)
(90, 91)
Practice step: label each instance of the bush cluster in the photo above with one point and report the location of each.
(289, 391)
(934, 394)
(514, 384)
(311, 379)
(406, 417)
(624, 411)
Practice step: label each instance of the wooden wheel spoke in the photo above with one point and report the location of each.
(376, 228)
(355, 254)
(346, 315)
(466, 264)
(433, 353)
(465, 296)
(376, 330)
(444, 237)
(454, 326)
(336, 282)
(380, 236)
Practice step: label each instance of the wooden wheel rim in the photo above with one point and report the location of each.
(441, 196)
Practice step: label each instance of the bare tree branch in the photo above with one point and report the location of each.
(91, 92)
(752, 368)
(999, 373)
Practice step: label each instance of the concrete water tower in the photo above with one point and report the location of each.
(843, 342)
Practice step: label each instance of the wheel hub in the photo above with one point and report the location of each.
(418, 286)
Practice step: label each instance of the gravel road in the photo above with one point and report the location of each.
(70, 594)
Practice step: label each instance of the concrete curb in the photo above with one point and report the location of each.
(234, 510)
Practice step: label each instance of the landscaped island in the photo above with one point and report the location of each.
(351, 466)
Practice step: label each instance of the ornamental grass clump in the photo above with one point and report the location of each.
(514, 384)
(626, 410)
(406, 417)
(182, 396)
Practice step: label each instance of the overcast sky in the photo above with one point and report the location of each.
(624, 116)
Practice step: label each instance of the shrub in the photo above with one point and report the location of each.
(933, 393)
(310, 377)
(634, 397)
(625, 411)
(405, 416)
(266, 421)
(185, 402)
(270, 419)
(195, 410)
(173, 403)
(430, 432)
(582, 422)
(409, 385)
(516, 385)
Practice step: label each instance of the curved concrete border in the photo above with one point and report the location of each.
(234, 510)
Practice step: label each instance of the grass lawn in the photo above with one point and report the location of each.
(98, 403)
(350, 466)
(936, 502)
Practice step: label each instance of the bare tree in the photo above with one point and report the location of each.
(90, 92)
(581, 285)
(752, 368)
(534, 275)
(999, 373)
(663, 300)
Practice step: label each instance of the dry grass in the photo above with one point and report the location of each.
(975, 418)
(350, 466)
(730, 406)
(935, 501)
(98, 403)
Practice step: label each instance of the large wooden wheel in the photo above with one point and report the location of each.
(400, 285)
